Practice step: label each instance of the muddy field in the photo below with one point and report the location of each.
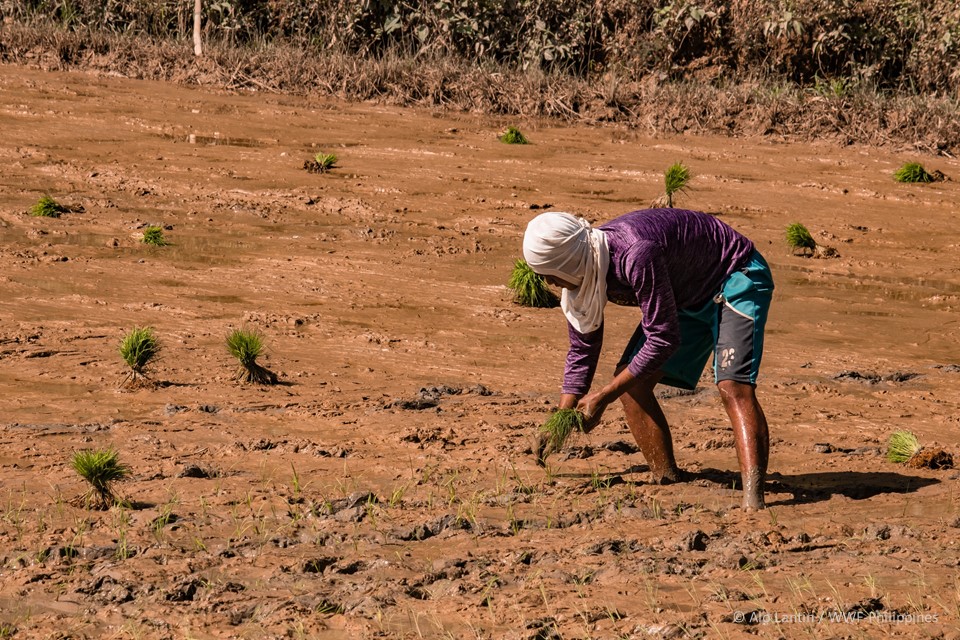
(386, 487)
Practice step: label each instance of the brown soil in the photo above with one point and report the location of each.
(932, 459)
(386, 487)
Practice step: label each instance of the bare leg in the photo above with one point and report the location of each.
(651, 431)
(752, 438)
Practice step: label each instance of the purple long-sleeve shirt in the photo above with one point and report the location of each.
(661, 260)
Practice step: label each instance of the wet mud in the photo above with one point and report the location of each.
(387, 486)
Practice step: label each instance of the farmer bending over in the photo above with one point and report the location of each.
(700, 286)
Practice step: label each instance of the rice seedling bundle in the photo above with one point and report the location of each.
(676, 179)
(138, 347)
(556, 431)
(913, 172)
(246, 347)
(47, 207)
(529, 287)
(799, 237)
(154, 236)
(101, 468)
(904, 448)
(513, 136)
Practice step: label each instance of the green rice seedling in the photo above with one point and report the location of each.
(321, 163)
(101, 468)
(676, 179)
(903, 445)
(246, 347)
(529, 287)
(47, 207)
(800, 240)
(798, 237)
(555, 432)
(154, 235)
(138, 347)
(513, 136)
(913, 172)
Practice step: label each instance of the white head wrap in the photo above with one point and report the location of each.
(562, 245)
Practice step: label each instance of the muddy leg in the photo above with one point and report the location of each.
(751, 436)
(651, 431)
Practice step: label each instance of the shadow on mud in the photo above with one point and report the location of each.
(817, 487)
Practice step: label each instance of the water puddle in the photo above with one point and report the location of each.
(216, 140)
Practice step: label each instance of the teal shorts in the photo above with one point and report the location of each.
(730, 326)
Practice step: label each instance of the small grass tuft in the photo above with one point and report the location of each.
(529, 287)
(555, 432)
(913, 172)
(903, 445)
(321, 163)
(513, 136)
(47, 207)
(138, 347)
(101, 468)
(246, 346)
(154, 236)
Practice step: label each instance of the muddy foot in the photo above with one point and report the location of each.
(671, 476)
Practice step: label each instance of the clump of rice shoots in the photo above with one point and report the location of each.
(529, 287)
(138, 347)
(101, 468)
(802, 242)
(246, 347)
(676, 179)
(154, 236)
(321, 163)
(555, 432)
(47, 207)
(904, 448)
(913, 172)
(513, 136)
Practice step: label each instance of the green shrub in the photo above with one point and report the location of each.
(101, 468)
(246, 347)
(47, 207)
(913, 172)
(138, 347)
(529, 287)
(513, 136)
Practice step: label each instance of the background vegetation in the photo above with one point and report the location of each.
(894, 64)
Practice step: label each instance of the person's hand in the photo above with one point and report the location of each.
(592, 407)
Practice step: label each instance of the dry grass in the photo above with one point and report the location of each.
(747, 106)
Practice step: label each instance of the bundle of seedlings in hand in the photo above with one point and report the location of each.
(47, 207)
(321, 163)
(529, 287)
(904, 447)
(137, 349)
(555, 432)
(101, 468)
(154, 235)
(246, 347)
(914, 172)
(513, 136)
(676, 179)
(800, 240)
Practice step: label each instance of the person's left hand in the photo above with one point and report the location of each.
(592, 407)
